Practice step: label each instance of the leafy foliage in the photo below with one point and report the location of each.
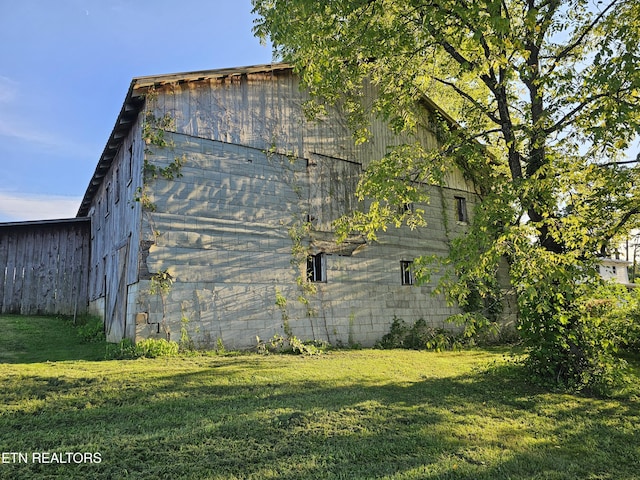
(91, 330)
(620, 311)
(148, 348)
(290, 344)
(161, 283)
(154, 128)
(546, 96)
(420, 336)
(123, 350)
(156, 347)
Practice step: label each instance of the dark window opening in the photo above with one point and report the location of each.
(107, 201)
(317, 268)
(406, 208)
(461, 209)
(130, 162)
(116, 181)
(406, 270)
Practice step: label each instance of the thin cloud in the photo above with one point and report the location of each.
(39, 140)
(15, 207)
(17, 125)
(24, 133)
(8, 90)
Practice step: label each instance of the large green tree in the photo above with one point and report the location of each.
(546, 95)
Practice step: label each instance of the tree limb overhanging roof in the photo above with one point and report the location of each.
(134, 102)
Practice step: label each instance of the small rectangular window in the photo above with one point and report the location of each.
(406, 208)
(98, 212)
(317, 268)
(461, 209)
(116, 182)
(406, 270)
(130, 162)
(107, 200)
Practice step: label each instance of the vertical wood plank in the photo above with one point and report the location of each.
(18, 281)
(45, 301)
(61, 279)
(4, 252)
(40, 259)
(27, 261)
(8, 306)
(83, 271)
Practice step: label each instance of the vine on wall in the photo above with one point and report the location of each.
(154, 134)
(154, 131)
(299, 233)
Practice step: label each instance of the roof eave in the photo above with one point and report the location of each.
(126, 118)
(133, 103)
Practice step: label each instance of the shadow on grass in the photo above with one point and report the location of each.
(236, 419)
(33, 339)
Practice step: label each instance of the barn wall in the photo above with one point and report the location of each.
(266, 111)
(223, 231)
(115, 214)
(228, 230)
(44, 267)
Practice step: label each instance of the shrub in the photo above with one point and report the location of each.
(396, 336)
(123, 350)
(290, 344)
(91, 330)
(149, 348)
(419, 336)
(152, 348)
(576, 347)
(622, 315)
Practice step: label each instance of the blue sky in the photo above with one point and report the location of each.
(65, 68)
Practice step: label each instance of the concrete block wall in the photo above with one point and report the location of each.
(222, 232)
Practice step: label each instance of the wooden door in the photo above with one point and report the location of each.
(116, 294)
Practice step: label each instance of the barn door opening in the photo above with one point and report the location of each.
(116, 294)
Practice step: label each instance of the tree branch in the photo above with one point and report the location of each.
(626, 162)
(468, 97)
(567, 118)
(580, 39)
(613, 232)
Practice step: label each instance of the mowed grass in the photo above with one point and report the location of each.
(358, 414)
(41, 339)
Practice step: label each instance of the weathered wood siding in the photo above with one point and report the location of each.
(115, 214)
(44, 267)
(266, 111)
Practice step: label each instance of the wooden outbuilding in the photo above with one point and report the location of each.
(211, 215)
(44, 266)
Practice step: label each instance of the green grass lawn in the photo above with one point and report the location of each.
(349, 414)
(41, 339)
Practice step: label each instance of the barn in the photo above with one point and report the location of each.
(211, 215)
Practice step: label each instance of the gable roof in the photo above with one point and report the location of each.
(134, 102)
